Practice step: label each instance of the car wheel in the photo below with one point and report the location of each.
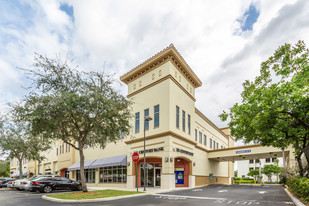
(47, 189)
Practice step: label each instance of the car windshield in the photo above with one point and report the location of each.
(34, 177)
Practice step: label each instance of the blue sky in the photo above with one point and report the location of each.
(249, 18)
(223, 41)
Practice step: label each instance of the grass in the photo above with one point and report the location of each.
(92, 194)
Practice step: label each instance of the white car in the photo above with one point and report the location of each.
(17, 183)
(25, 183)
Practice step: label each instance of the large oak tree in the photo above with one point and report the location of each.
(274, 110)
(79, 108)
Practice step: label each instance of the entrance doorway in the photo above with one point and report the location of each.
(153, 174)
(182, 172)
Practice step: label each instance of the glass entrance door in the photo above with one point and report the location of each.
(153, 175)
(157, 177)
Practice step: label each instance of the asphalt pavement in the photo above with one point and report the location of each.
(212, 195)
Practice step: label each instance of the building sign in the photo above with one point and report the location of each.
(151, 150)
(179, 169)
(243, 151)
(183, 151)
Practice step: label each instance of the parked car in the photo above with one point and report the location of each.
(48, 184)
(4, 182)
(11, 183)
(17, 183)
(25, 184)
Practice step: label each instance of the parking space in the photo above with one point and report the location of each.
(213, 195)
(231, 195)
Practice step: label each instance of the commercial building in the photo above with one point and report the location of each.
(245, 166)
(180, 140)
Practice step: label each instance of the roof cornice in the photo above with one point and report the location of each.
(170, 53)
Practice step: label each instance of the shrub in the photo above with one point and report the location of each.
(300, 186)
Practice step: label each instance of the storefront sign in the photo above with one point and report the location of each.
(151, 150)
(183, 151)
(179, 169)
(243, 151)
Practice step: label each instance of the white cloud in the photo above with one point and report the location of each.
(122, 34)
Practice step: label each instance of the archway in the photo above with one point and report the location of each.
(182, 172)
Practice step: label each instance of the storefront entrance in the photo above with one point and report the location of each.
(153, 174)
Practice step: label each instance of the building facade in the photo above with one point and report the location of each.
(178, 138)
(245, 166)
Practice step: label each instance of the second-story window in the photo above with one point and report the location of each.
(177, 116)
(189, 124)
(183, 121)
(210, 142)
(200, 137)
(146, 114)
(136, 122)
(156, 116)
(195, 134)
(57, 152)
(217, 145)
(214, 144)
(205, 139)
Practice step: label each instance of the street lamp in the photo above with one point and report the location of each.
(147, 118)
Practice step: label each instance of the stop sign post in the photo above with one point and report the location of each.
(135, 158)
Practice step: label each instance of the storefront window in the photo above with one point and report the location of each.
(115, 174)
(89, 175)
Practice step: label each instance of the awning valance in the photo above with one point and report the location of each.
(76, 166)
(110, 161)
(16, 174)
(104, 162)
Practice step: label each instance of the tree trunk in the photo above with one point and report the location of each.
(306, 152)
(300, 164)
(82, 161)
(20, 168)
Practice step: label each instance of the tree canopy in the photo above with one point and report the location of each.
(253, 173)
(17, 142)
(274, 109)
(270, 170)
(79, 108)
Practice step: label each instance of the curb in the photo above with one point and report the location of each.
(296, 201)
(44, 197)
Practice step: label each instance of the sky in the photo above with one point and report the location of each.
(223, 41)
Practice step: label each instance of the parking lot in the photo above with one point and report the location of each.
(213, 195)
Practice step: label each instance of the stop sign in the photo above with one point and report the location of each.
(135, 157)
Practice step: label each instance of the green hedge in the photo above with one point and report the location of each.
(244, 181)
(300, 186)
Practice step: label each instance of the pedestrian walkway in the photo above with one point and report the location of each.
(149, 190)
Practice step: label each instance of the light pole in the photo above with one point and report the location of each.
(147, 118)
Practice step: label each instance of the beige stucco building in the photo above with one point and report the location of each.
(179, 138)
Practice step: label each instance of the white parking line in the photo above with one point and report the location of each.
(222, 191)
(197, 190)
(163, 196)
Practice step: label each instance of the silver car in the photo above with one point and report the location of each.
(17, 183)
(11, 184)
(25, 183)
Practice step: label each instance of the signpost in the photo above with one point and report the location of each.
(135, 158)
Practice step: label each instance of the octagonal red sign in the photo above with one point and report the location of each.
(135, 157)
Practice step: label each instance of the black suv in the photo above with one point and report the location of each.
(48, 184)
